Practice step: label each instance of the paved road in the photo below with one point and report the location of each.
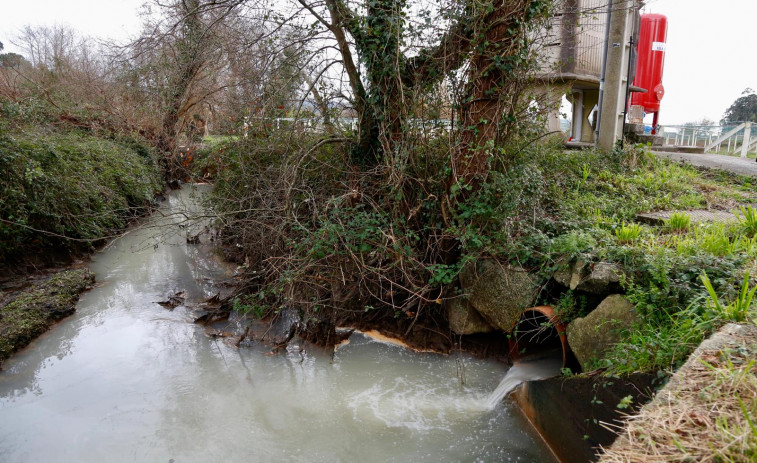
(715, 161)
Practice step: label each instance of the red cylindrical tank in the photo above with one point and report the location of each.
(653, 35)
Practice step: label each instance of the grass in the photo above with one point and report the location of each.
(738, 310)
(748, 220)
(678, 222)
(666, 339)
(618, 193)
(662, 264)
(628, 233)
(707, 413)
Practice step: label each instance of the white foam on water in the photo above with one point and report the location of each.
(416, 407)
(424, 407)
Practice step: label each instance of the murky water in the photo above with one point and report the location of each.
(125, 380)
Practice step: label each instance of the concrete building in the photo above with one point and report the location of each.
(584, 35)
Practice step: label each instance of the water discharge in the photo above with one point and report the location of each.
(125, 380)
(520, 373)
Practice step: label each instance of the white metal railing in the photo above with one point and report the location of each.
(721, 139)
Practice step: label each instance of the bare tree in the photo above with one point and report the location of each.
(390, 64)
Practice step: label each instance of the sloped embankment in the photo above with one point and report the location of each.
(64, 190)
(706, 413)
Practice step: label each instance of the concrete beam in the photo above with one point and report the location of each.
(614, 92)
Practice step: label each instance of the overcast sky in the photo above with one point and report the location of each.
(709, 59)
(97, 18)
(708, 63)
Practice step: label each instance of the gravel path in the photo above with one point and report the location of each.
(715, 161)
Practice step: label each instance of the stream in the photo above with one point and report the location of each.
(126, 380)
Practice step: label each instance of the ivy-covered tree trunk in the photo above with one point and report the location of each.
(379, 46)
(490, 34)
(498, 46)
(381, 101)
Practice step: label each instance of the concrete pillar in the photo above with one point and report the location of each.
(591, 98)
(747, 139)
(578, 114)
(553, 123)
(613, 99)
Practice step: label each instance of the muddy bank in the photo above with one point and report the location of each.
(27, 313)
(276, 330)
(432, 333)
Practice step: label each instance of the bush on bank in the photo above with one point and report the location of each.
(65, 187)
(318, 234)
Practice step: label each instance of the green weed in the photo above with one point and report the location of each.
(570, 306)
(246, 305)
(678, 222)
(659, 344)
(585, 171)
(573, 244)
(628, 233)
(715, 241)
(748, 220)
(738, 310)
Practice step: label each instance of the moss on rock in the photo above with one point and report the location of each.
(463, 319)
(592, 336)
(604, 279)
(32, 311)
(499, 293)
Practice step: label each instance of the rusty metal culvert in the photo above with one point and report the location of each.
(539, 332)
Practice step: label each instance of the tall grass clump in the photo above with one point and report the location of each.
(678, 222)
(628, 233)
(748, 220)
(739, 309)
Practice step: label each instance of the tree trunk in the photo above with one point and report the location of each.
(499, 41)
(379, 47)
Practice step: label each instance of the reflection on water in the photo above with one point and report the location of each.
(124, 380)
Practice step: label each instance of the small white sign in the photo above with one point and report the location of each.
(658, 46)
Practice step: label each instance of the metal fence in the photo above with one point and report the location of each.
(729, 139)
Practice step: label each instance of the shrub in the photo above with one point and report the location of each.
(61, 188)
